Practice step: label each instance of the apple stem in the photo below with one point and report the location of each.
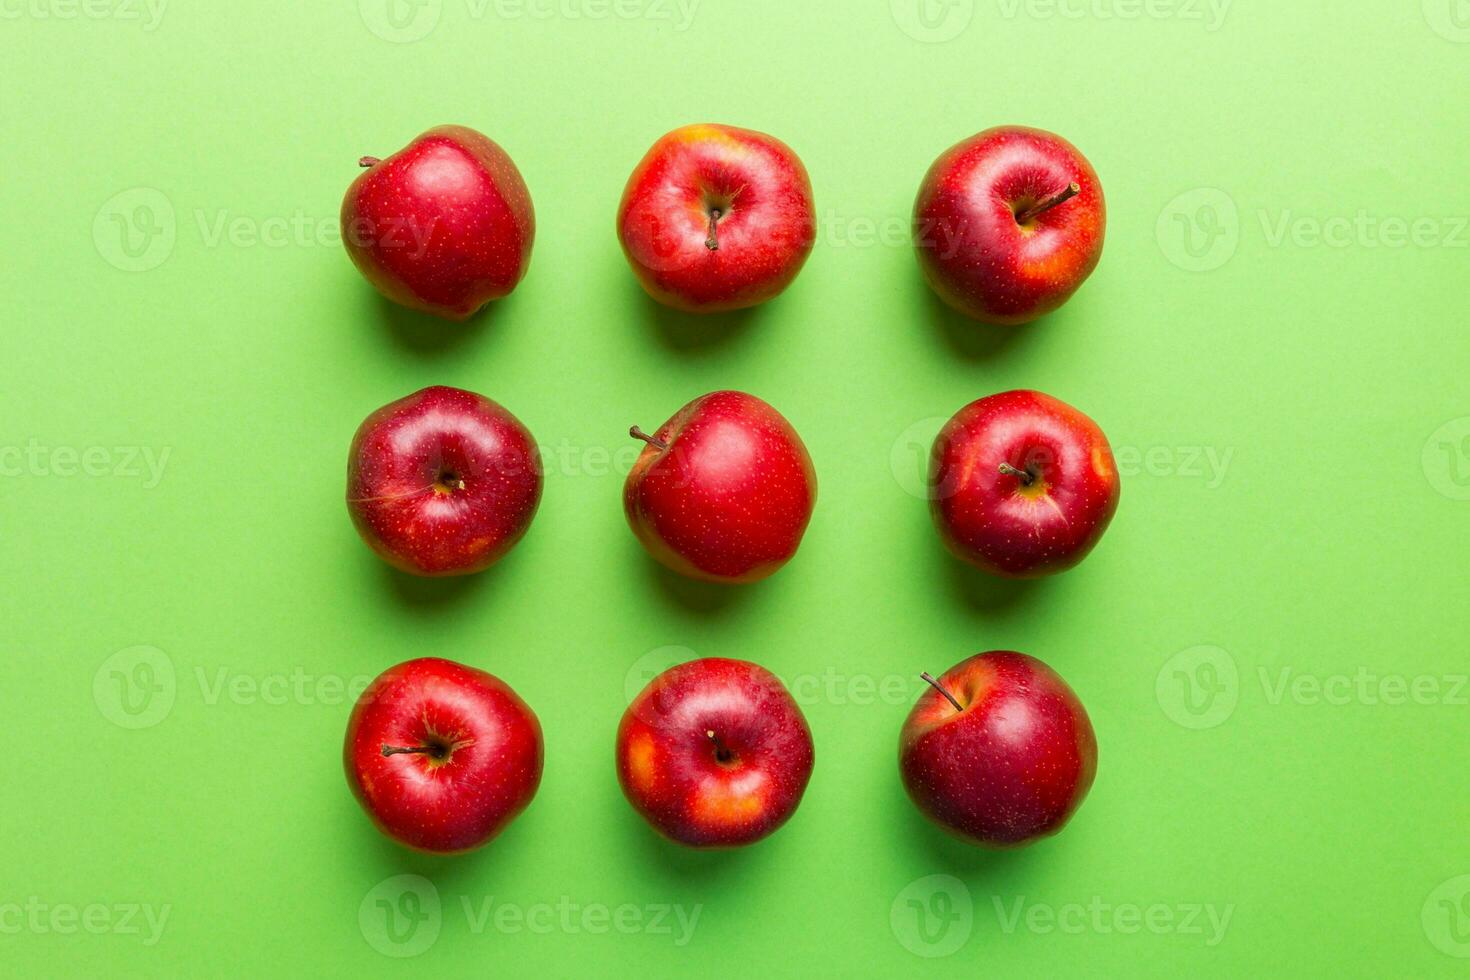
(713, 241)
(1026, 478)
(368, 161)
(721, 753)
(928, 677)
(1046, 204)
(653, 441)
(405, 750)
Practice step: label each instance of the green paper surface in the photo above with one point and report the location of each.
(1271, 638)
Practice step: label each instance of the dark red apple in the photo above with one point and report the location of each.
(442, 756)
(1009, 223)
(724, 490)
(1022, 485)
(999, 752)
(444, 225)
(443, 482)
(714, 753)
(717, 218)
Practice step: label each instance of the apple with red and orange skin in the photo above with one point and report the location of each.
(998, 751)
(714, 753)
(1009, 223)
(717, 218)
(443, 226)
(1022, 485)
(442, 756)
(442, 482)
(723, 491)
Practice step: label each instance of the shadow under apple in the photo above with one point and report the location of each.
(681, 332)
(469, 873)
(427, 594)
(930, 848)
(694, 595)
(679, 866)
(984, 592)
(966, 337)
(422, 333)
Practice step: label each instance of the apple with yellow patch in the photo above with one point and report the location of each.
(1022, 485)
(1009, 223)
(714, 753)
(717, 218)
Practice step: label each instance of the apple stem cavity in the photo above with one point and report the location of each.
(722, 754)
(713, 241)
(653, 441)
(366, 162)
(1047, 203)
(1027, 478)
(929, 679)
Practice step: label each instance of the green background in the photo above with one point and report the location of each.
(1327, 379)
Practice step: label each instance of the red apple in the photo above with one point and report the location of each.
(1021, 484)
(1009, 223)
(444, 225)
(443, 482)
(714, 753)
(1000, 752)
(724, 490)
(442, 756)
(717, 218)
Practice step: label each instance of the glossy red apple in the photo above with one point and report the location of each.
(442, 756)
(443, 482)
(1022, 485)
(714, 753)
(724, 490)
(444, 225)
(1009, 223)
(999, 751)
(717, 218)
